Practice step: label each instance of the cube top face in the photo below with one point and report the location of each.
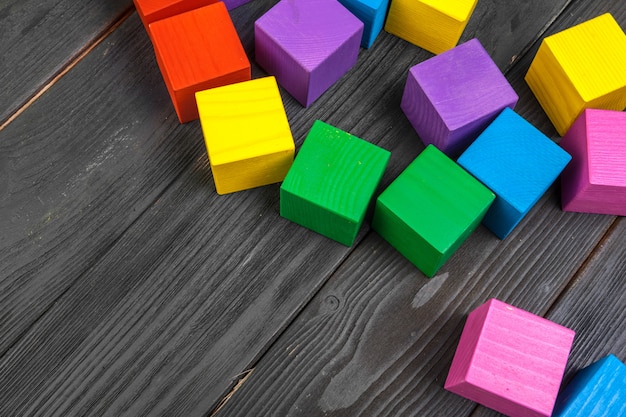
(337, 171)
(153, 10)
(510, 360)
(309, 30)
(515, 160)
(464, 84)
(459, 10)
(598, 390)
(186, 46)
(234, 126)
(436, 198)
(593, 49)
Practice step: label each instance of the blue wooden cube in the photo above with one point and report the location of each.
(518, 163)
(372, 13)
(599, 390)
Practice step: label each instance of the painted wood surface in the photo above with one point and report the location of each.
(579, 68)
(307, 45)
(39, 41)
(330, 185)
(518, 163)
(452, 97)
(129, 288)
(510, 360)
(435, 25)
(372, 13)
(152, 10)
(429, 210)
(246, 133)
(186, 45)
(595, 180)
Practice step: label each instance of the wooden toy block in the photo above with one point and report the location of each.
(510, 360)
(595, 180)
(372, 13)
(599, 390)
(331, 182)
(247, 135)
(452, 97)
(435, 25)
(581, 67)
(308, 45)
(186, 47)
(152, 10)
(518, 163)
(430, 209)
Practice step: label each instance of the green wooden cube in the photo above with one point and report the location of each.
(430, 209)
(331, 182)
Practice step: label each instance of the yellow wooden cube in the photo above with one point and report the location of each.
(435, 25)
(581, 67)
(247, 134)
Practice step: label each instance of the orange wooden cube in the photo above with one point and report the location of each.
(198, 50)
(152, 10)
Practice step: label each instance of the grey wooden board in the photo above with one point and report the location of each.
(128, 287)
(38, 39)
(379, 338)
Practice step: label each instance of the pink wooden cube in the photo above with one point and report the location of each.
(510, 360)
(595, 179)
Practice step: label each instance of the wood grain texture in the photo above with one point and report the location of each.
(595, 180)
(510, 360)
(147, 294)
(307, 45)
(37, 41)
(579, 68)
(598, 390)
(332, 181)
(518, 163)
(435, 25)
(452, 97)
(246, 133)
(186, 45)
(429, 210)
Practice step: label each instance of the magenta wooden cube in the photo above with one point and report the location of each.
(307, 45)
(595, 179)
(510, 360)
(452, 97)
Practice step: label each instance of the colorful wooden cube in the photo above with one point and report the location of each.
(247, 135)
(308, 45)
(430, 209)
(331, 182)
(510, 360)
(372, 13)
(152, 10)
(451, 98)
(518, 163)
(435, 25)
(595, 180)
(581, 67)
(599, 390)
(186, 46)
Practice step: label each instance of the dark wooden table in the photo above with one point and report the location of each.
(129, 287)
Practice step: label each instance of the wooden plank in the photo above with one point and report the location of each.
(38, 40)
(379, 338)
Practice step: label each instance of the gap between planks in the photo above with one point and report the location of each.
(73, 61)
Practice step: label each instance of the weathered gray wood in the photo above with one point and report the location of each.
(38, 39)
(379, 338)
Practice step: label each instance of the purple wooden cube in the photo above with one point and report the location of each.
(452, 97)
(595, 180)
(307, 45)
